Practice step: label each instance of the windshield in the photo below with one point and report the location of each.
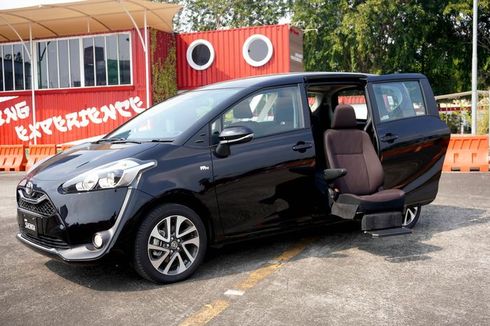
(168, 119)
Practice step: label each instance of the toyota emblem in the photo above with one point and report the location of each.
(29, 188)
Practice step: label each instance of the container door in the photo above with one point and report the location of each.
(410, 137)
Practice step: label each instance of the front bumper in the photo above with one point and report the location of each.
(133, 201)
(77, 253)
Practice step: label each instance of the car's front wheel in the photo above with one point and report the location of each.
(411, 216)
(170, 244)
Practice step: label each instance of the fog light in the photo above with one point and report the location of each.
(98, 240)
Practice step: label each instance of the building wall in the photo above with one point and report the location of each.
(229, 62)
(65, 115)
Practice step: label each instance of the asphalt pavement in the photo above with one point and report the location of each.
(330, 276)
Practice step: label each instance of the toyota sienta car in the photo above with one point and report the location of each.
(237, 160)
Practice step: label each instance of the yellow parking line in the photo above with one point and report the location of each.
(264, 271)
(257, 276)
(294, 250)
(206, 313)
(214, 309)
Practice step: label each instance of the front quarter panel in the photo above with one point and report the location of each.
(182, 171)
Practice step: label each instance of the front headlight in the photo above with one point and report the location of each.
(116, 174)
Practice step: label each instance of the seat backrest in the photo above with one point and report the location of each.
(350, 148)
(284, 111)
(243, 111)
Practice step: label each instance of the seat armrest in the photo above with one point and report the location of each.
(333, 174)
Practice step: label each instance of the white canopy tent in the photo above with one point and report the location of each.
(27, 20)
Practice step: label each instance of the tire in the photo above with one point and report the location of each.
(161, 257)
(411, 216)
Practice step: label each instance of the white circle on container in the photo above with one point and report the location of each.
(200, 54)
(257, 50)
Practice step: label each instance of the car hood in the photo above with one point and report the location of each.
(82, 158)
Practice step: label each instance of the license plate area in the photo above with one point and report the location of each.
(29, 224)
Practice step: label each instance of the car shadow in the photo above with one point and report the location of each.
(328, 242)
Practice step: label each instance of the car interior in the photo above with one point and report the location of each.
(323, 99)
(346, 157)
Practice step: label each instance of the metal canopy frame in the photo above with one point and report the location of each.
(30, 53)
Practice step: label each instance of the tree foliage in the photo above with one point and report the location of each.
(389, 36)
(204, 15)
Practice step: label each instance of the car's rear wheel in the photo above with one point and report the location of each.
(411, 216)
(170, 244)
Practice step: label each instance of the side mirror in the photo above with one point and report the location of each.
(231, 136)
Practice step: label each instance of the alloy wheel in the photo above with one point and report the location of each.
(173, 245)
(410, 215)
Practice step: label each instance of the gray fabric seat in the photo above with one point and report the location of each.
(349, 148)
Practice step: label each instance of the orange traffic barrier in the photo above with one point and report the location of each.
(64, 147)
(467, 153)
(38, 153)
(12, 157)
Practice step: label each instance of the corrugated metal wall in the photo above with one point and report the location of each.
(229, 62)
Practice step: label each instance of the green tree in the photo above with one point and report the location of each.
(383, 36)
(203, 15)
(460, 14)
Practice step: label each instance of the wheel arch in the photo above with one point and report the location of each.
(182, 197)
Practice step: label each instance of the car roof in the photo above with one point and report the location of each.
(286, 78)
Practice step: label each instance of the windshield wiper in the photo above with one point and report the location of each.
(161, 140)
(116, 141)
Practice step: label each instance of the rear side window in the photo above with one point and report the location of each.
(399, 100)
(268, 112)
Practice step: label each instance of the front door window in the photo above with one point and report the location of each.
(266, 113)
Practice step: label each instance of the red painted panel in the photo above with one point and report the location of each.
(229, 62)
(72, 114)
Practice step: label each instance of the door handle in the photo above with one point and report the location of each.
(301, 146)
(389, 138)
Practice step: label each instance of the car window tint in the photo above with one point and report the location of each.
(174, 116)
(268, 112)
(399, 100)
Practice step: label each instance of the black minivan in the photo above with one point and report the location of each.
(237, 160)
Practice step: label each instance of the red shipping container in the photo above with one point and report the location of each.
(229, 62)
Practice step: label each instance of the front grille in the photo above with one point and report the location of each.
(46, 241)
(44, 207)
(36, 195)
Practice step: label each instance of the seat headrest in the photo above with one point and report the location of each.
(243, 111)
(344, 117)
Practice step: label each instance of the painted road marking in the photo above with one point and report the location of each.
(214, 309)
(264, 271)
(234, 292)
(257, 276)
(206, 313)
